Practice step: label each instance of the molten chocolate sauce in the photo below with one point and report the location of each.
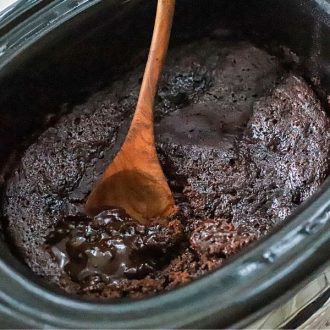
(111, 246)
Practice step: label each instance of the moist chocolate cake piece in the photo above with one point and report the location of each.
(241, 141)
(217, 238)
(278, 162)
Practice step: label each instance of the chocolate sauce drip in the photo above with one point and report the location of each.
(111, 246)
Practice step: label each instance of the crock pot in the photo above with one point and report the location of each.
(49, 45)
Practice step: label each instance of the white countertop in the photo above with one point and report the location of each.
(6, 3)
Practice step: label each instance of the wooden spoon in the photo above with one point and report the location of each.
(135, 180)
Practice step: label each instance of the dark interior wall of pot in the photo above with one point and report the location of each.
(90, 51)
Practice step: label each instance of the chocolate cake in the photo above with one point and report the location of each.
(242, 140)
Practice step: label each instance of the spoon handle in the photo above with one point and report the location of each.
(142, 122)
(135, 180)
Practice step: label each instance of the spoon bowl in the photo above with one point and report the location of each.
(138, 193)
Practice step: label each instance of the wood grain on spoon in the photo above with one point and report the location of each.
(135, 180)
